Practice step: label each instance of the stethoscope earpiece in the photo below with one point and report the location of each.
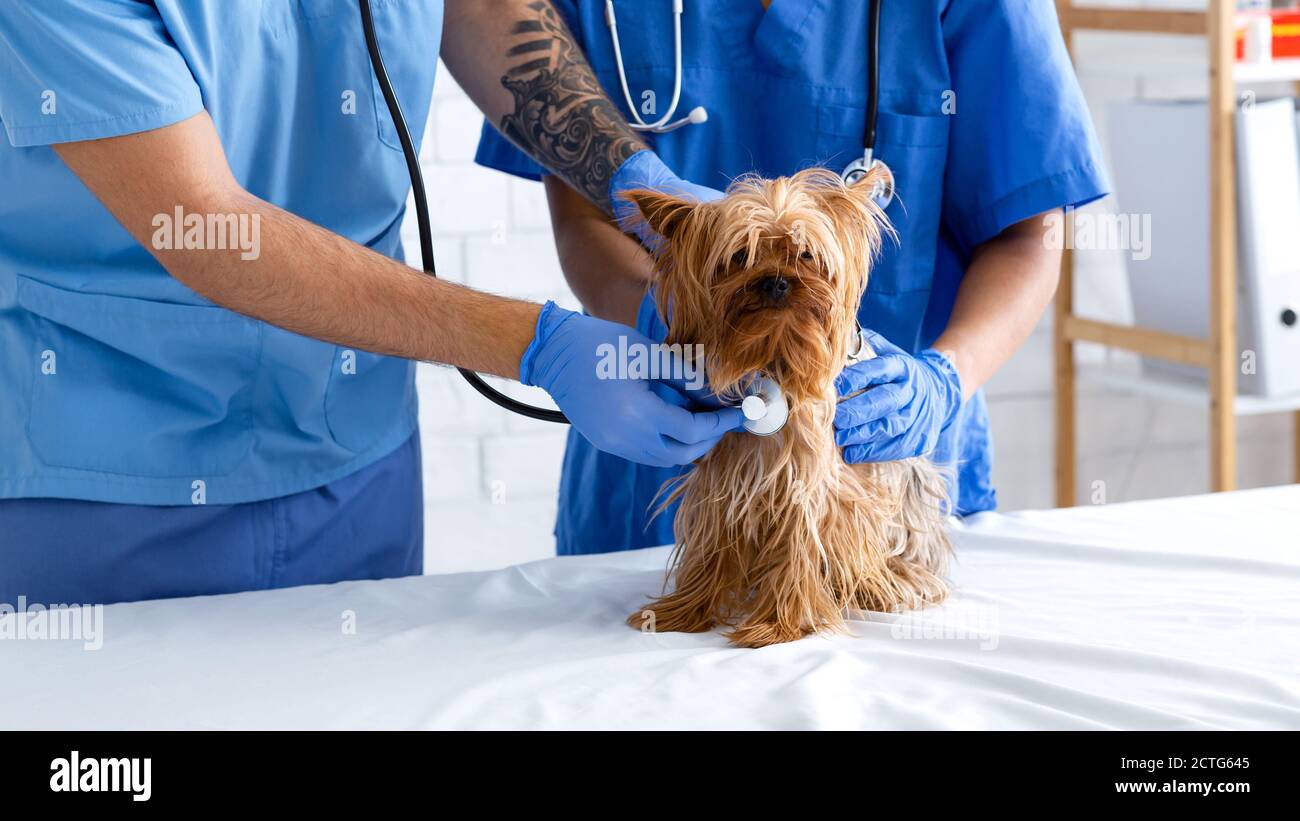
(664, 124)
(700, 115)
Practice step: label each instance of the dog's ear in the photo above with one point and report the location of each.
(855, 208)
(663, 213)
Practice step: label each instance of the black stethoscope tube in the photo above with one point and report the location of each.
(422, 216)
(873, 74)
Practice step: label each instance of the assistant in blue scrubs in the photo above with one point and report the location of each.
(151, 442)
(981, 120)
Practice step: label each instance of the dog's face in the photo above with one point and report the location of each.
(768, 278)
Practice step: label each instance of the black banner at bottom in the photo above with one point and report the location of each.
(241, 769)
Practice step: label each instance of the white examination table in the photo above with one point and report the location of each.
(1181, 613)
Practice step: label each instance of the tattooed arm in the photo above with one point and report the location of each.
(519, 63)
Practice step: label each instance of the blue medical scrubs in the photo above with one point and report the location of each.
(120, 385)
(981, 120)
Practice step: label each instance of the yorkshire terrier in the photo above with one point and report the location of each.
(777, 536)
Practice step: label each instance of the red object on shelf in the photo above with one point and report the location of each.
(1286, 36)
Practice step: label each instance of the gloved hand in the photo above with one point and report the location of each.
(644, 169)
(625, 417)
(908, 401)
(649, 323)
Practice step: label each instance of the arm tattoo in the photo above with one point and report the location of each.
(561, 116)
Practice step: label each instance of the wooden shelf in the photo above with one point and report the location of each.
(1102, 18)
(1187, 391)
(1217, 353)
(1275, 71)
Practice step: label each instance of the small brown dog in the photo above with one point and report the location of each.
(776, 535)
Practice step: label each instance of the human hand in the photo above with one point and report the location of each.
(895, 405)
(644, 170)
(627, 417)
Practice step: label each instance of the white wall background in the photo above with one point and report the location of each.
(490, 477)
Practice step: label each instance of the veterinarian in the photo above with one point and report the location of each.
(983, 125)
(206, 339)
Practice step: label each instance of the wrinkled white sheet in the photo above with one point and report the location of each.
(1179, 613)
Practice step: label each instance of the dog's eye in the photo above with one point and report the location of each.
(806, 256)
(739, 258)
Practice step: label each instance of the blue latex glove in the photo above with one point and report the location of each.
(649, 323)
(625, 417)
(908, 402)
(644, 169)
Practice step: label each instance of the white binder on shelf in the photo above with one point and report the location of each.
(1156, 149)
(1268, 202)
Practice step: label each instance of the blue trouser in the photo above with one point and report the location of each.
(369, 525)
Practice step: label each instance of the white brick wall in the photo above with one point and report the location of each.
(490, 477)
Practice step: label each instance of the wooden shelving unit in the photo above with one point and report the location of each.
(1218, 353)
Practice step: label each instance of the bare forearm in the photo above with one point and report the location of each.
(301, 277)
(607, 270)
(1009, 284)
(316, 283)
(522, 67)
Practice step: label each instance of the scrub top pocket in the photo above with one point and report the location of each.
(365, 387)
(915, 148)
(399, 24)
(138, 388)
(333, 28)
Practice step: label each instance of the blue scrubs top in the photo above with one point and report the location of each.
(117, 382)
(981, 120)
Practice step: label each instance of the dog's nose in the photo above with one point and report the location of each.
(775, 289)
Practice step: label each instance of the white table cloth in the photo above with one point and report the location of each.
(1181, 613)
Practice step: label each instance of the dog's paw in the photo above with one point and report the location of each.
(763, 634)
(666, 616)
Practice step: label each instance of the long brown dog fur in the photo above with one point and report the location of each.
(777, 536)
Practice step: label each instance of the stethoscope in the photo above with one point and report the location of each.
(771, 416)
(883, 190)
(698, 115)
(422, 213)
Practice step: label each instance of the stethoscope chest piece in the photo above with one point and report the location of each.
(883, 190)
(859, 348)
(764, 407)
